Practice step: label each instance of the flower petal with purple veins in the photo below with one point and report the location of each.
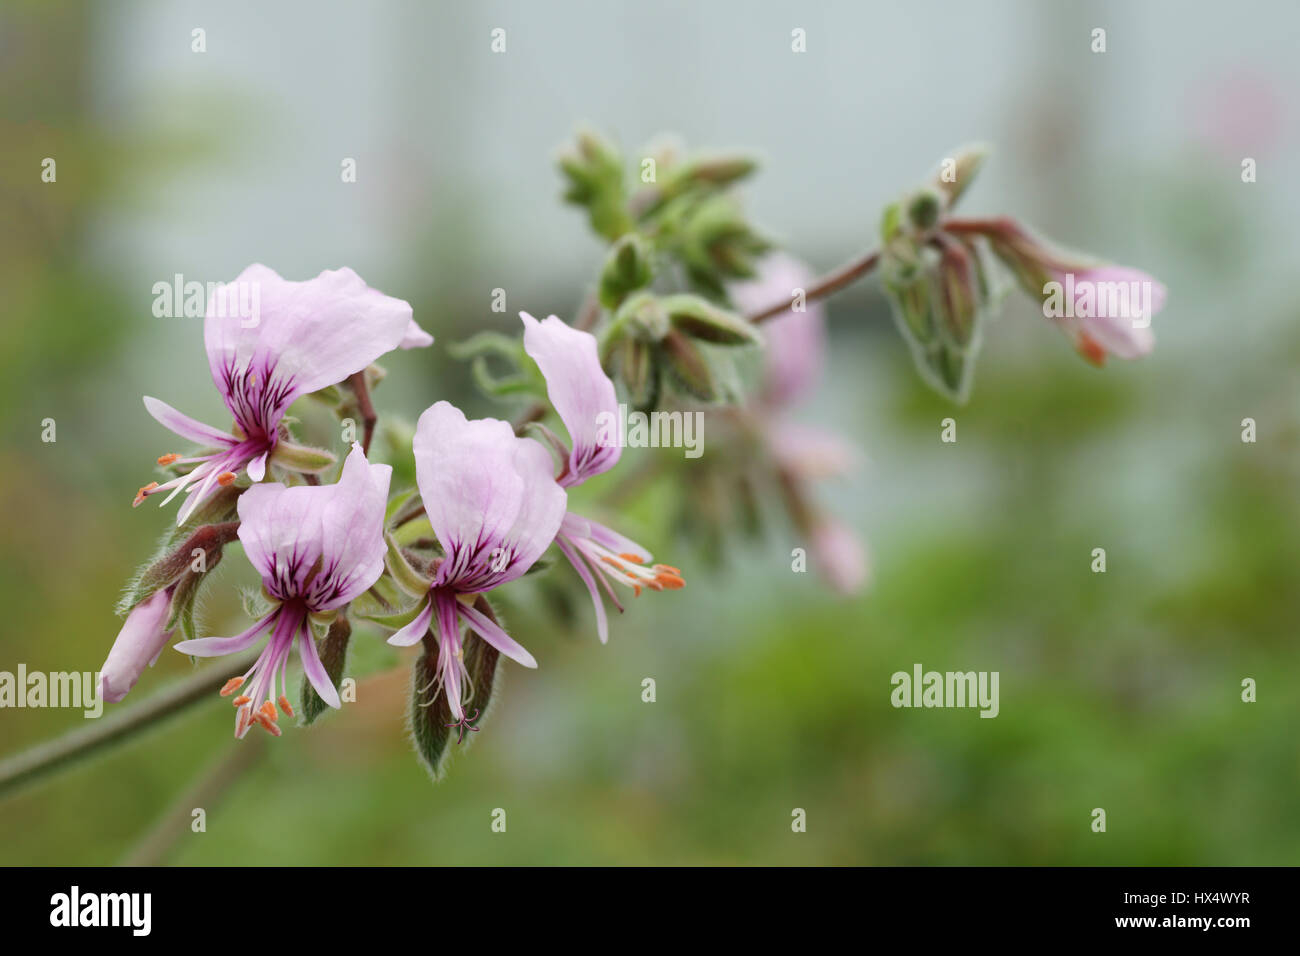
(581, 392)
(321, 543)
(490, 497)
(307, 335)
(189, 429)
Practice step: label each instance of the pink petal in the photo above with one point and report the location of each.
(415, 337)
(485, 489)
(602, 622)
(491, 632)
(314, 669)
(286, 531)
(187, 427)
(840, 557)
(218, 646)
(138, 644)
(307, 335)
(415, 631)
(352, 543)
(257, 467)
(619, 544)
(581, 392)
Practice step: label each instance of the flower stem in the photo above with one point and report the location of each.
(25, 767)
(828, 284)
(368, 416)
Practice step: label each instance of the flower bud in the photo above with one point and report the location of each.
(701, 319)
(627, 268)
(954, 177)
(686, 366)
(138, 644)
(923, 208)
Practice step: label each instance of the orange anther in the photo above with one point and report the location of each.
(267, 723)
(670, 581)
(632, 558)
(231, 686)
(241, 700)
(225, 478)
(669, 568)
(1092, 350)
(636, 590)
(268, 711)
(144, 493)
(284, 705)
(168, 459)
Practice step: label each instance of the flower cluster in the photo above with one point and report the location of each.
(689, 294)
(494, 502)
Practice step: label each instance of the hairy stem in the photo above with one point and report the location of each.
(30, 765)
(828, 284)
(368, 416)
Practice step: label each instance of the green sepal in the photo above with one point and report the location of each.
(430, 716)
(627, 268)
(701, 319)
(302, 458)
(333, 652)
(407, 578)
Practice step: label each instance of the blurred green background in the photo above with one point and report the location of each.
(1118, 690)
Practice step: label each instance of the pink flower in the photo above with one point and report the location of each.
(795, 353)
(307, 336)
(584, 398)
(494, 507)
(1109, 311)
(316, 548)
(839, 554)
(141, 640)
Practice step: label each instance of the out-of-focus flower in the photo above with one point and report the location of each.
(584, 398)
(316, 548)
(1108, 311)
(1103, 309)
(795, 353)
(494, 507)
(801, 454)
(307, 335)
